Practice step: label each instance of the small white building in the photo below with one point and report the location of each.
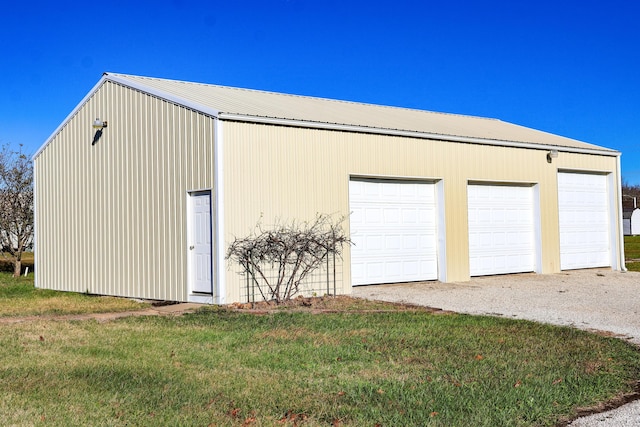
(631, 222)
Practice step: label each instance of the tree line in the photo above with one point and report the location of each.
(16, 205)
(630, 191)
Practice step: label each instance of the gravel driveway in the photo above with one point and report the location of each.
(596, 299)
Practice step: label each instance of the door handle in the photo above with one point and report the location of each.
(191, 247)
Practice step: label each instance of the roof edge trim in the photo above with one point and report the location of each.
(123, 80)
(412, 134)
(69, 117)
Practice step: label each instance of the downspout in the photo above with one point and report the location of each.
(623, 267)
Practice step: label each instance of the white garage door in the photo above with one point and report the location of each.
(584, 220)
(501, 229)
(393, 228)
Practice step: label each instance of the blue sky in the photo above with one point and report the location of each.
(566, 67)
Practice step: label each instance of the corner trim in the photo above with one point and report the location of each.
(218, 208)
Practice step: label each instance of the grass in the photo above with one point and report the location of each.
(370, 364)
(18, 297)
(632, 251)
(27, 261)
(226, 368)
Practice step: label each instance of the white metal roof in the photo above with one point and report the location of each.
(259, 106)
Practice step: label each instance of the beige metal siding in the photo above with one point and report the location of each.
(111, 216)
(277, 172)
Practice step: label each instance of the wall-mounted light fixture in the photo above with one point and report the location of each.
(99, 124)
(552, 154)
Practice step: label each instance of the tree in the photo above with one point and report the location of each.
(629, 192)
(16, 205)
(279, 259)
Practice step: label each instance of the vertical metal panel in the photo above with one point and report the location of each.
(111, 216)
(284, 173)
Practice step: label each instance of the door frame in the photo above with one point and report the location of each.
(199, 297)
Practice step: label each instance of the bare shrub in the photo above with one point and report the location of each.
(292, 250)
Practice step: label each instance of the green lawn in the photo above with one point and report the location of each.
(632, 251)
(18, 297)
(351, 368)
(225, 368)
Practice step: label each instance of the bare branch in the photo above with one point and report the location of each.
(16, 204)
(294, 249)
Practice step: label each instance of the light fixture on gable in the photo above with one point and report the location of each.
(552, 154)
(99, 124)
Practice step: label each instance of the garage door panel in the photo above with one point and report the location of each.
(501, 229)
(583, 205)
(393, 242)
(393, 270)
(395, 238)
(392, 216)
(373, 215)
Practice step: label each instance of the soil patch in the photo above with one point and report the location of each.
(331, 304)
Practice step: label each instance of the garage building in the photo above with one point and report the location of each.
(146, 203)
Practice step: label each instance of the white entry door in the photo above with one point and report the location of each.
(393, 228)
(501, 229)
(200, 238)
(584, 220)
